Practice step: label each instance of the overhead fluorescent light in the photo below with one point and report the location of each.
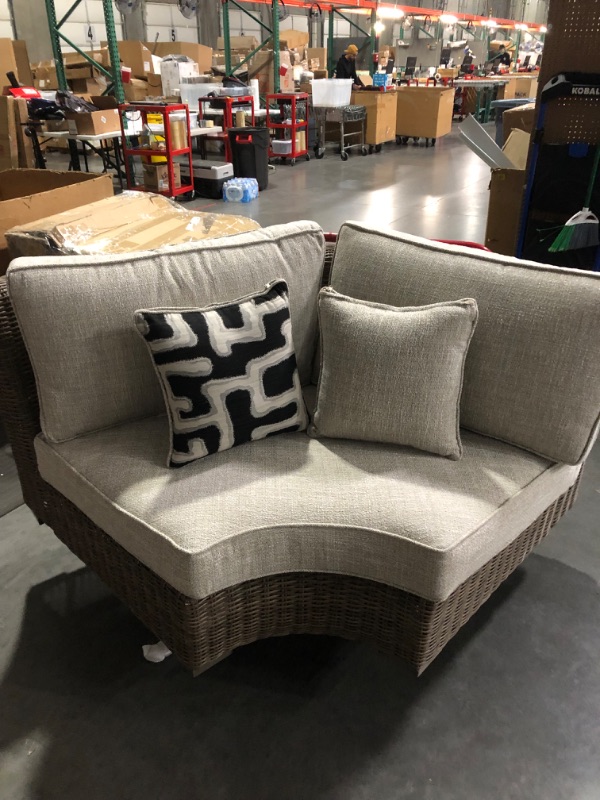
(489, 23)
(390, 12)
(379, 27)
(448, 19)
(543, 29)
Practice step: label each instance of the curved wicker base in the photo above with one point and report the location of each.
(203, 632)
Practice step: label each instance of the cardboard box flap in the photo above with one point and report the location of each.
(481, 143)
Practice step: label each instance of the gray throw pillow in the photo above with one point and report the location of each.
(392, 374)
(228, 372)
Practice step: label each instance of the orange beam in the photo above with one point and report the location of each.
(348, 5)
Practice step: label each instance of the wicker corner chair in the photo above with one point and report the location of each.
(203, 632)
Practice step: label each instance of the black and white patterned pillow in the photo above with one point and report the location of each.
(228, 372)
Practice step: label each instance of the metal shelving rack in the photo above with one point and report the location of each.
(57, 37)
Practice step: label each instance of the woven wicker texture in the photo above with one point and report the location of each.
(202, 632)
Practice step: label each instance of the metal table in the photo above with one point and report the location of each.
(100, 143)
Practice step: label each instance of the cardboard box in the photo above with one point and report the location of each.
(293, 40)
(154, 86)
(199, 53)
(506, 196)
(94, 122)
(381, 115)
(14, 58)
(238, 43)
(262, 70)
(24, 143)
(89, 86)
(45, 77)
(126, 223)
(156, 177)
(448, 72)
(136, 89)
(28, 194)
(9, 152)
(318, 54)
(521, 118)
(136, 56)
(424, 111)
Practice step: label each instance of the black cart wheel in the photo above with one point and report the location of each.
(292, 162)
(405, 140)
(378, 148)
(415, 141)
(307, 157)
(319, 152)
(398, 140)
(370, 149)
(364, 151)
(433, 141)
(344, 155)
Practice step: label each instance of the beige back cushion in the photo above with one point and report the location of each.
(532, 374)
(76, 314)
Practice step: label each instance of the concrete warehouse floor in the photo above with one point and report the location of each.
(509, 711)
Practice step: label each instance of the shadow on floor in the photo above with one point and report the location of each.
(509, 710)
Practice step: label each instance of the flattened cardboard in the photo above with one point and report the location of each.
(126, 223)
(28, 194)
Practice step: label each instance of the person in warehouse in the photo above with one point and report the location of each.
(346, 66)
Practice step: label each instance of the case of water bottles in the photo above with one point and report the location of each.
(240, 190)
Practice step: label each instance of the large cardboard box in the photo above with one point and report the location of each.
(381, 115)
(424, 111)
(94, 122)
(9, 152)
(14, 58)
(238, 43)
(154, 86)
(199, 53)
(262, 70)
(521, 119)
(90, 86)
(317, 57)
(29, 194)
(126, 223)
(136, 89)
(45, 76)
(293, 40)
(136, 56)
(506, 196)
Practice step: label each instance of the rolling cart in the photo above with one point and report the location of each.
(342, 116)
(161, 171)
(291, 126)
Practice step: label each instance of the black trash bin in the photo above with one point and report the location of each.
(250, 154)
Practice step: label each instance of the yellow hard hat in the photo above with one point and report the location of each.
(351, 50)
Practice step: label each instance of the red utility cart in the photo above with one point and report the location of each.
(175, 130)
(289, 125)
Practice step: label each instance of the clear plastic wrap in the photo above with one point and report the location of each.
(127, 223)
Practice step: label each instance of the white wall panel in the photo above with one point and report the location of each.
(89, 13)
(168, 22)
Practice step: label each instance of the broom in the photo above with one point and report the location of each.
(583, 228)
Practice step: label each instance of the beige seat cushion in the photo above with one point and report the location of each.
(291, 503)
